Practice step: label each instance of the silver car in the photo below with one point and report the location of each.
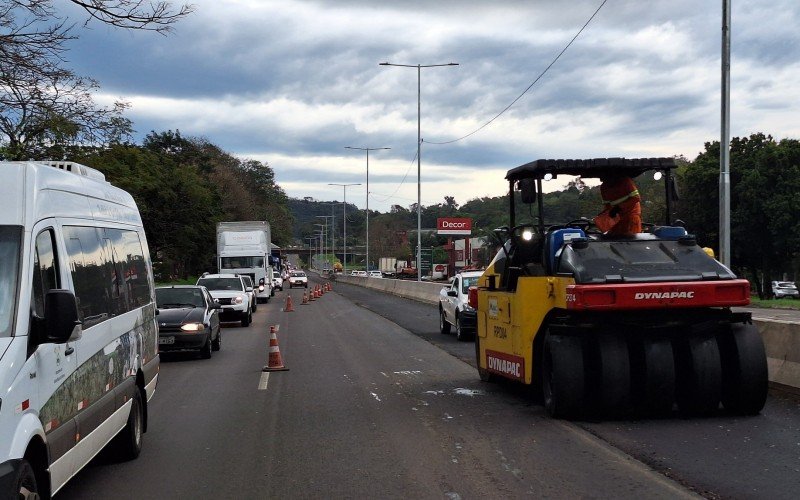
(781, 289)
(454, 308)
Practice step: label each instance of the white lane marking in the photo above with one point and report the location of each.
(375, 396)
(408, 372)
(384, 374)
(262, 383)
(468, 392)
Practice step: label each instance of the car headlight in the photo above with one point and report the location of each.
(193, 327)
(238, 299)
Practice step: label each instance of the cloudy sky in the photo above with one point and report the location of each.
(292, 82)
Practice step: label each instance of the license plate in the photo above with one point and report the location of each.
(166, 340)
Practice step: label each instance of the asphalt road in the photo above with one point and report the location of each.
(368, 409)
(719, 457)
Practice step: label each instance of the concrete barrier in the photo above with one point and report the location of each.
(782, 343)
(781, 338)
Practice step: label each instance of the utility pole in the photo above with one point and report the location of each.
(725, 141)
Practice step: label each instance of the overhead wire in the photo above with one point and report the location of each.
(529, 86)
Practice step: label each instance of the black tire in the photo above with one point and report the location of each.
(484, 374)
(255, 305)
(614, 375)
(699, 375)
(246, 319)
(205, 351)
(745, 378)
(444, 326)
(653, 376)
(306, 285)
(128, 443)
(460, 334)
(217, 343)
(24, 485)
(563, 380)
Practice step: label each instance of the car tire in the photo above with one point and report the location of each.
(460, 334)
(128, 443)
(306, 285)
(444, 326)
(246, 319)
(217, 344)
(255, 304)
(205, 351)
(24, 484)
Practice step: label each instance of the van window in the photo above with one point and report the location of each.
(45, 270)
(10, 237)
(108, 271)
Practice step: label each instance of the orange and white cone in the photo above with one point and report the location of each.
(274, 359)
(311, 295)
(289, 307)
(305, 298)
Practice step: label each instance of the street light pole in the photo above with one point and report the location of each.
(344, 216)
(367, 150)
(326, 233)
(419, 153)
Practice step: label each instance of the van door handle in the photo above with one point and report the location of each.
(69, 350)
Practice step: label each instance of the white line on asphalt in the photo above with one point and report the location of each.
(262, 384)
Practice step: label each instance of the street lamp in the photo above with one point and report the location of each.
(344, 216)
(326, 233)
(323, 228)
(310, 239)
(367, 150)
(419, 155)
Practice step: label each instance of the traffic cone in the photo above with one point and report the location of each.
(274, 359)
(330, 287)
(305, 298)
(311, 295)
(288, 307)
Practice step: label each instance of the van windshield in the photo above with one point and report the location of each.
(241, 262)
(10, 237)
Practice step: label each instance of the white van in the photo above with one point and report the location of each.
(78, 336)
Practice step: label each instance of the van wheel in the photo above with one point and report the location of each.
(128, 443)
(24, 485)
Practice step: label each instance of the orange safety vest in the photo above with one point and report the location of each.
(620, 192)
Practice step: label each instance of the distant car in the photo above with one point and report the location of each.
(231, 293)
(188, 319)
(362, 274)
(277, 280)
(248, 282)
(298, 278)
(375, 274)
(454, 308)
(781, 289)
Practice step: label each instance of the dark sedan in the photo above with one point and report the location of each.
(188, 320)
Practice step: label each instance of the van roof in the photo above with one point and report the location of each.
(32, 191)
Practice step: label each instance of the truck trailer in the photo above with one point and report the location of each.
(244, 247)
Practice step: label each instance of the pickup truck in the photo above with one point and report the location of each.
(454, 309)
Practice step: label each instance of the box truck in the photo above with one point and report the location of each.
(244, 247)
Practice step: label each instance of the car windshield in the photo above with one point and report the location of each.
(221, 283)
(786, 284)
(241, 262)
(10, 237)
(468, 282)
(298, 275)
(167, 298)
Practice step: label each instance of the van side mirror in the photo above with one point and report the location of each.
(61, 315)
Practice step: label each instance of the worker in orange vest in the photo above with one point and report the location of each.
(622, 215)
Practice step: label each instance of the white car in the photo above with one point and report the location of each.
(375, 274)
(277, 280)
(360, 274)
(454, 308)
(781, 289)
(298, 278)
(232, 294)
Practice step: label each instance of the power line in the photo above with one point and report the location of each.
(401, 182)
(529, 86)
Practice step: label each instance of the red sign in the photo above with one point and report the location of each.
(453, 225)
(506, 365)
